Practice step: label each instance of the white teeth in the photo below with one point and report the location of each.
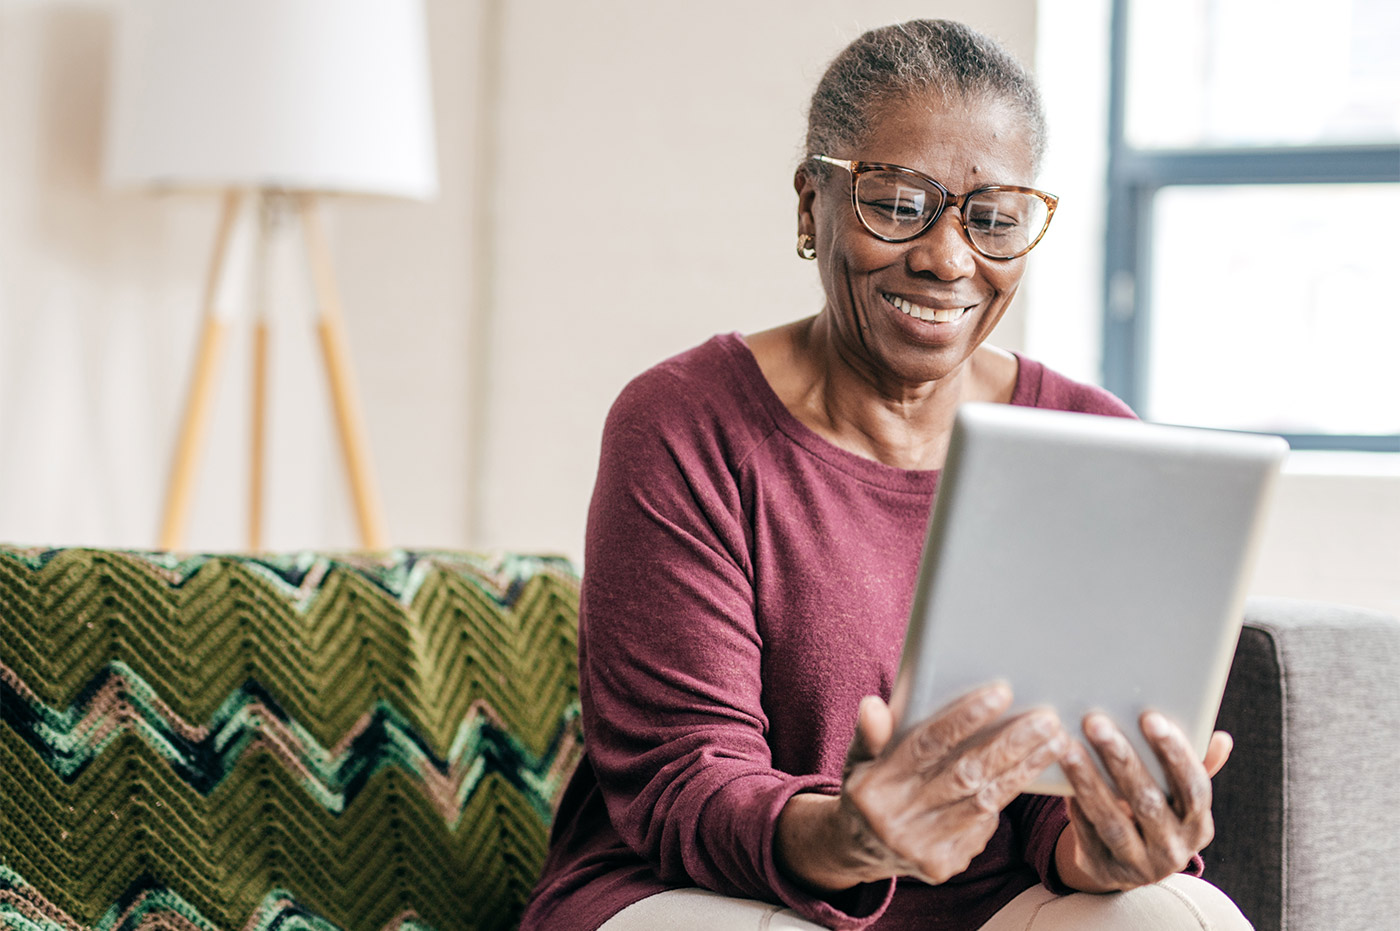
(926, 313)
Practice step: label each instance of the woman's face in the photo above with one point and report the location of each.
(964, 145)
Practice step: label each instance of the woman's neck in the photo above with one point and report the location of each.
(834, 393)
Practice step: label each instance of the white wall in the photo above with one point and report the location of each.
(1334, 531)
(616, 186)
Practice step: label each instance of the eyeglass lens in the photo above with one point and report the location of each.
(1000, 224)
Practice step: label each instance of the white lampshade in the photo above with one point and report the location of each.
(302, 95)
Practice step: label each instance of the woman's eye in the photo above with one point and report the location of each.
(898, 209)
(892, 199)
(993, 223)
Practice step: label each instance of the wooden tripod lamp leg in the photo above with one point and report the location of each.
(192, 427)
(257, 446)
(354, 443)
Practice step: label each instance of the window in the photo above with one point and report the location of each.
(1253, 237)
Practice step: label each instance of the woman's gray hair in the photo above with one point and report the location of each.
(894, 63)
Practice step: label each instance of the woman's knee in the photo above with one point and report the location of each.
(1178, 903)
(701, 910)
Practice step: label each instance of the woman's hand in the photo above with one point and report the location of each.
(925, 806)
(1130, 833)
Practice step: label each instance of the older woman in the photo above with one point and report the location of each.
(752, 547)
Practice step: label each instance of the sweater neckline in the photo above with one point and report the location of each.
(872, 471)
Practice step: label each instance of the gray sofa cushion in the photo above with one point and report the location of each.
(1308, 808)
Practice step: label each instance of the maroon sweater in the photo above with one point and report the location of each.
(746, 583)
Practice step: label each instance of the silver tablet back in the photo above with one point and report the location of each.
(1092, 563)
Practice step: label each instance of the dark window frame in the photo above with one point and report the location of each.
(1134, 178)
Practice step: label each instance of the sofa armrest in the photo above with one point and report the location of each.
(1308, 809)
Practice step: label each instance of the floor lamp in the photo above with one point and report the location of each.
(284, 100)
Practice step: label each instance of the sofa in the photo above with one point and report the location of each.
(324, 741)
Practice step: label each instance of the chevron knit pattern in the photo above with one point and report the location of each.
(303, 742)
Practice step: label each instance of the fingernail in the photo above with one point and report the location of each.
(1098, 727)
(1044, 724)
(1057, 744)
(1155, 725)
(995, 696)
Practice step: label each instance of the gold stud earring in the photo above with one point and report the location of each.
(806, 246)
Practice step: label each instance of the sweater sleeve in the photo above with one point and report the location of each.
(670, 659)
(1040, 819)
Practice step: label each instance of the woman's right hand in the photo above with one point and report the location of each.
(924, 807)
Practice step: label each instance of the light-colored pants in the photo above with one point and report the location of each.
(1178, 903)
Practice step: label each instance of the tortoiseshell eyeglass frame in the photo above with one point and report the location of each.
(857, 168)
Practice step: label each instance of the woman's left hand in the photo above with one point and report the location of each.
(1130, 833)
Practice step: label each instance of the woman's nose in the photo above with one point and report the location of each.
(943, 249)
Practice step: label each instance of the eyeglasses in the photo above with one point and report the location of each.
(897, 204)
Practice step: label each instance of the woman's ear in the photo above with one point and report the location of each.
(806, 187)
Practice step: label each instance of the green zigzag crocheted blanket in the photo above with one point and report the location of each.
(293, 742)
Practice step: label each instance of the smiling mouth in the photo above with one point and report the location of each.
(910, 309)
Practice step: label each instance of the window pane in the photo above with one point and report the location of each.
(1262, 72)
(1275, 308)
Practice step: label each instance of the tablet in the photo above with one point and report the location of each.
(1092, 563)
